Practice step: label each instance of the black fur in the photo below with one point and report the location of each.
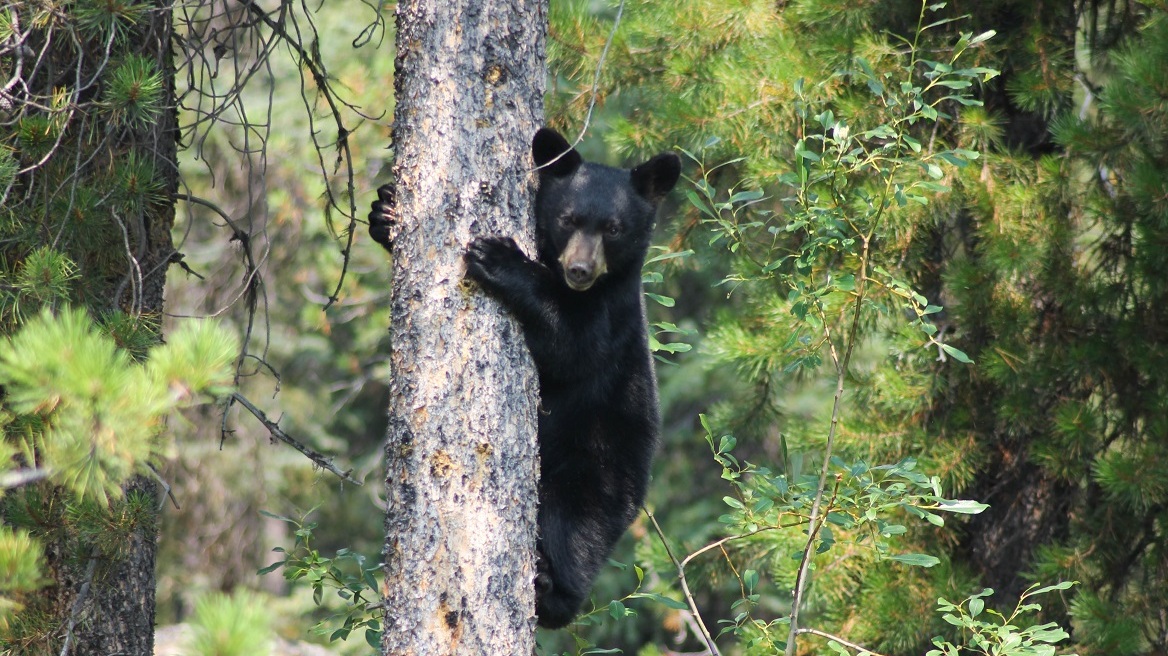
(581, 307)
(382, 218)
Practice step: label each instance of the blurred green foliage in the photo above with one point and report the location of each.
(230, 625)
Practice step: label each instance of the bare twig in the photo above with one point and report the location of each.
(344, 152)
(321, 460)
(595, 86)
(718, 544)
(166, 487)
(596, 74)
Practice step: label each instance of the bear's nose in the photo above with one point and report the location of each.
(580, 272)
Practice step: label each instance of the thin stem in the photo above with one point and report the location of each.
(693, 607)
(719, 543)
(841, 365)
(620, 10)
(846, 643)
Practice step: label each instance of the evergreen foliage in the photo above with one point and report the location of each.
(1042, 254)
(86, 415)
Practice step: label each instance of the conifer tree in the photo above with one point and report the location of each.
(1043, 254)
(87, 180)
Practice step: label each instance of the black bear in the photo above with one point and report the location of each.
(581, 307)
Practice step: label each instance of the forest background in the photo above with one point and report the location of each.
(1042, 259)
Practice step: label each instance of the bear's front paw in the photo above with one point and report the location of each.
(383, 217)
(488, 258)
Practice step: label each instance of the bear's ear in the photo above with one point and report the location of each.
(553, 154)
(655, 178)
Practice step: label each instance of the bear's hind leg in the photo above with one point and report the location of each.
(557, 602)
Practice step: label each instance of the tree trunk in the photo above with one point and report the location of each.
(461, 456)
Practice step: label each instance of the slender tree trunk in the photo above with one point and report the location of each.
(461, 455)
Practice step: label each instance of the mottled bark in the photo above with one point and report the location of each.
(105, 603)
(461, 455)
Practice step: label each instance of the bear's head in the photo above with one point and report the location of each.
(593, 220)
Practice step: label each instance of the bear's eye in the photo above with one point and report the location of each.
(613, 229)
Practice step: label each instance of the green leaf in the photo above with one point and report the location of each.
(727, 443)
(916, 560)
(750, 579)
(1064, 585)
(984, 36)
(733, 503)
(279, 517)
(745, 197)
(664, 601)
(662, 300)
(840, 519)
(669, 256)
(957, 354)
(962, 506)
(697, 202)
(271, 568)
(806, 154)
(975, 606)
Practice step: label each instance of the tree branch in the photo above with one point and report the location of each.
(321, 460)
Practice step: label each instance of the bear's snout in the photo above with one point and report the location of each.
(583, 260)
